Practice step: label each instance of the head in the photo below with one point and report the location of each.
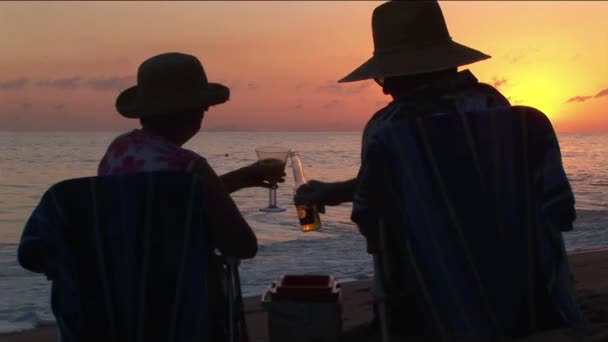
(171, 95)
(177, 127)
(395, 85)
(411, 45)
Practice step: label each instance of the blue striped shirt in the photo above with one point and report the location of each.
(476, 197)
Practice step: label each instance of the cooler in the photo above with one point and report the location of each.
(304, 308)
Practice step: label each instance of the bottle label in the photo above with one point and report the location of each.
(306, 214)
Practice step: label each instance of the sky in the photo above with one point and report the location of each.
(64, 63)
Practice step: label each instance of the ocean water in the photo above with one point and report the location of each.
(31, 162)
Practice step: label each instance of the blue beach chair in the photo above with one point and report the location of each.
(129, 261)
(465, 202)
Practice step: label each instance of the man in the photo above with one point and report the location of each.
(471, 192)
(462, 88)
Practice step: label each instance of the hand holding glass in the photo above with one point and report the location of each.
(273, 156)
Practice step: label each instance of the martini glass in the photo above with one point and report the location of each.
(273, 156)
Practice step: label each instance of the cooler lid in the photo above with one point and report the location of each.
(292, 287)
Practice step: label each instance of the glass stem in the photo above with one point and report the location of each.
(272, 196)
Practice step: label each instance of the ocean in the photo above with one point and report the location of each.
(31, 162)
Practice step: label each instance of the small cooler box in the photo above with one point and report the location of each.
(304, 308)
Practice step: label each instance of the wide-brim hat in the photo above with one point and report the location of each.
(170, 83)
(411, 37)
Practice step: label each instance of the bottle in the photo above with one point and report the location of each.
(307, 214)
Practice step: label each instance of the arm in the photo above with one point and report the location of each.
(557, 199)
(341, 192)
(235, 180)
(366, 201)
(321, 193)
(35, 252)
(230, 233)
(254, 175)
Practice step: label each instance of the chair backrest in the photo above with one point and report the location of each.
(464, 216)
(127, 256)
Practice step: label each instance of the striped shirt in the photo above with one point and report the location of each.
(475, 198)
(462, 93)
(473, 103)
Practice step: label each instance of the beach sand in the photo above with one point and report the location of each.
(590, 270)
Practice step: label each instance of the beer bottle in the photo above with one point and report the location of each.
(307, 214)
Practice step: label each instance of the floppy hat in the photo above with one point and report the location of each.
(411, 37)
(170, 83)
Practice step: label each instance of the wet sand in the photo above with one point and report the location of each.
(590, 270)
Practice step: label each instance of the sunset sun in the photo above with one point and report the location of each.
(544, 89)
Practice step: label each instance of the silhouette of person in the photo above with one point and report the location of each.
(170, 99)
(463, 182)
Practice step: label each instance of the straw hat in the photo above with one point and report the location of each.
(170, 83)
(411, 37)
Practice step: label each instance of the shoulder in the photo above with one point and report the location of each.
(534, 118)
(123, 142)
(532, 122)
(122, 138)
(493, 97)
(478, 97)
(382, 117)
(201, 166)
(531, 115)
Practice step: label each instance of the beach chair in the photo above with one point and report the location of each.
(129, 261)
(482, 263)
(379, 289)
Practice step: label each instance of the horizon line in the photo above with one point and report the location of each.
(603, 130)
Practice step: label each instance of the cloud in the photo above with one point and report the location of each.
(330, 86)
(300, 86)
(299, 103)
(349, 88)
(59, 107)
(521, 55)
(583, 98)
(60, 83)
(13, 84)
(239, 85)
(359, 87)
(110, 83)
(26, 106)
(496, 82)
(578, 99)
(253, 86)
(331, 104)
(602, 93)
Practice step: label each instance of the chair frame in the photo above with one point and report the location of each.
(379, 288)
(237, 325)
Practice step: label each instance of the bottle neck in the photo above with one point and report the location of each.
(298, 169)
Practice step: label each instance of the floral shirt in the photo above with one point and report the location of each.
(140, 151)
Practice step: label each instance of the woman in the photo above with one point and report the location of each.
(170, 99)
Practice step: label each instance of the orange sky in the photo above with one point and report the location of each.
(63, 63)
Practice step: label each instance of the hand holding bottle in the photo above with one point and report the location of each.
(308, 214)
